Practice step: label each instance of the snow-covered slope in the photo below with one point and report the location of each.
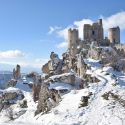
(99, 111)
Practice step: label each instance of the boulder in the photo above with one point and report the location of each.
(91, 79)
(12, 94)
(12, 83)
(84, 101)
(23, 104)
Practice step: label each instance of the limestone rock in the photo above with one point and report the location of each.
(84, 101)
(91, 79)
(12, 94)
(48, 98)
(68, 78)
(12, 83)
(23, 104)
(54, 65)
(45, 68)
(16, 72)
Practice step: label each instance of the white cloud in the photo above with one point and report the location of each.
(37, 63)
(62, 45)
(53, 29)
(14, 57)
(117, 19)
(114, 20)
(11, 54)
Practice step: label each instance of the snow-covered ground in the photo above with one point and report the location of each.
(98, 112)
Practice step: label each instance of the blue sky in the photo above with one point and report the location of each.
(31, 29)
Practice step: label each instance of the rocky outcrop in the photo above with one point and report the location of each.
(91, 79)
(10, 96)
(36, 90)
(45, 68)
(16, 72)
(81, 66)
(12, 83)
(54, 65)
(23, 104)
(68, 78)
(48, 98)
(35, 85)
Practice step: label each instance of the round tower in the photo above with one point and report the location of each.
(114, 35)
(73, 39)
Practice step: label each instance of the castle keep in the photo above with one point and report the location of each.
(93, 32)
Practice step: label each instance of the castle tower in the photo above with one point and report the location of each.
(114, 35)
(73, 41)
(94, 32)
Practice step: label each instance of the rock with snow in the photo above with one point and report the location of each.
(54, 65)
(12, 94)
(45, 68)
(16, 72)
(68, 78)
(48, 98)
(12, 83)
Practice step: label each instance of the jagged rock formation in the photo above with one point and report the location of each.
(16, 72)
(36, 86)
(54, 65)
(48, 98)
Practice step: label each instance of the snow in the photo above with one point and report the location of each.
(58, 76)
(98, 112)
(10, 90)
(60, 86)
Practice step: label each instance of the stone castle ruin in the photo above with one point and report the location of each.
(94, 34)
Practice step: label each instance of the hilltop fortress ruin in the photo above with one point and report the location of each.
(94, 34)
(108, 50)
